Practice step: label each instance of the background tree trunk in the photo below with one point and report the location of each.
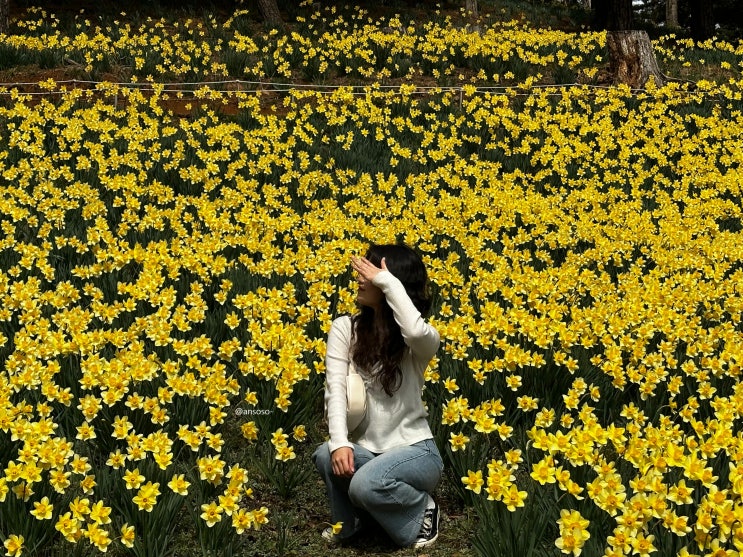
(631, 58)
(4, 15)
(702, 20)
(672, 14)
(270, 13)
(470, 7)
(612, 15)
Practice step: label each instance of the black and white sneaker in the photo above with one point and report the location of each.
(430, 529)
(332, 538)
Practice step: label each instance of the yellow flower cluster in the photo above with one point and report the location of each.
(72, 524)
(284, 451)
(638, 263)
(324, 43)
(227, 504)
(573, 532)
(177, 48)
(90, 349)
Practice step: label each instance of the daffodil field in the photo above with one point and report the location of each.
(171, 257)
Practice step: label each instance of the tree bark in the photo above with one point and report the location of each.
(632, 60)
(4, 15)
(470, 7)
(702, 20)
(270, 13)
(612, 15)
(672, 14)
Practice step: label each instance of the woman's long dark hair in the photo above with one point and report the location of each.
(377, 338)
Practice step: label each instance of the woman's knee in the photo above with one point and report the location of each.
(367, 492)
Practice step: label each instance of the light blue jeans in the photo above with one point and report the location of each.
(391, 487)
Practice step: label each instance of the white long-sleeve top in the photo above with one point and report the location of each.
(391, 421)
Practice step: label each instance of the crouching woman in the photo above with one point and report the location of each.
(386, 469)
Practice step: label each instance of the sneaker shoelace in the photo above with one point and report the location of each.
(427, 524)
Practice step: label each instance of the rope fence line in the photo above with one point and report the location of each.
(268, 87)
(274, 87)
(255, 87)
(271, 83)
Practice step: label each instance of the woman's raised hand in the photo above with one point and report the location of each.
(366, 269)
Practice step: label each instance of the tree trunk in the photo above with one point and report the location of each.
(270, 13)
(702, 20)
(631, 59)
(672, 14)
(470, 7)
(4, 15)
(612, 15)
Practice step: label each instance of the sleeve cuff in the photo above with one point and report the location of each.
(333, 446)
